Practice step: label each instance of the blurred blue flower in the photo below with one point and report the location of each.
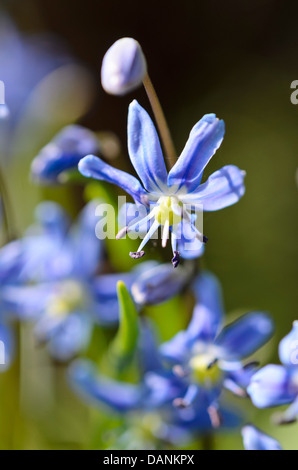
(276, 385)
(24, 61)
(123, 67)
(144, 404)
(171, 196)
(52, 277)
(207, 357)
(63, 153)
(254, 439)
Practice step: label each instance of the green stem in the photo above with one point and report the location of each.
(208, 442)
(7, 210)
(164, 131)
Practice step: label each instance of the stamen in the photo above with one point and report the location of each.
(176, 259)
(215, 416)
(212, 363)
(122, 233)
(281, 419)
(165, 233)
(188, 399)
(180, 403)
(180, 371)
(137, 254)
(150, 233)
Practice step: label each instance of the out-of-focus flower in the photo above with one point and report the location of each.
(167, 199)
(145, 405)
(63, 153)
(45, 89)
(123, 67)
(52, 276)
(54, 280)
(276, 385)
(160, 283)
(254, 439)
(206, 357)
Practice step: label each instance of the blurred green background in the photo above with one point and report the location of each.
(236, 59)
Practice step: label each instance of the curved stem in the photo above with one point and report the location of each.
(7, 209)
(164, 131)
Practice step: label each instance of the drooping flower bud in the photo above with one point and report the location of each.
(123, 67)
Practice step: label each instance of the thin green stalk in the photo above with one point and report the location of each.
(162, 124)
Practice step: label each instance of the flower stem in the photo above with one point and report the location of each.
(208, 441)
(6, 209)
(164, 131)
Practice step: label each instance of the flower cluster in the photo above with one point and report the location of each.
(67, 284)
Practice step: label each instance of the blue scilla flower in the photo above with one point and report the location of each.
(63, 153)
(58, 283)
(276, 385)
(166, 199)
(208, 357)
(254, 439)
(147, 405)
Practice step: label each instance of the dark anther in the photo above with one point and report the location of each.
(205, 239)
(176, 259)
(280, 419)
(180, 403)
(212, 364)
(137, 254)
(251, 365)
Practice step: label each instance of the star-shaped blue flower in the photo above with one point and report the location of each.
(276, 385)
(168, 199)
(208, 357)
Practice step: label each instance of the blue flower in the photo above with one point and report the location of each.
(166, 199)
(63, 153)
(276, 385)
(144, 404)
(207, 357)
(254, 439)
(58, 285)
(123, 67)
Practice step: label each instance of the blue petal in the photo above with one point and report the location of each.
(63, 153)
(7, 347)
(85, 246)
(253, 439)
(205, 138)
(150, 359)
(159, 284)
(243, 337)
(176, 350)
(11, 262)
(52, 219)
(188, 244)
(26, 302)
(209, 312)
(222, 189)
(288, 348)
(94, 167)
(144, 149)
(72, 336)
(272, 386)
(100, 390)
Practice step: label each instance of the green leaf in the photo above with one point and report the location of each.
(125, 342)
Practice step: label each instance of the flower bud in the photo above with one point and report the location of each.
(123, 67)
